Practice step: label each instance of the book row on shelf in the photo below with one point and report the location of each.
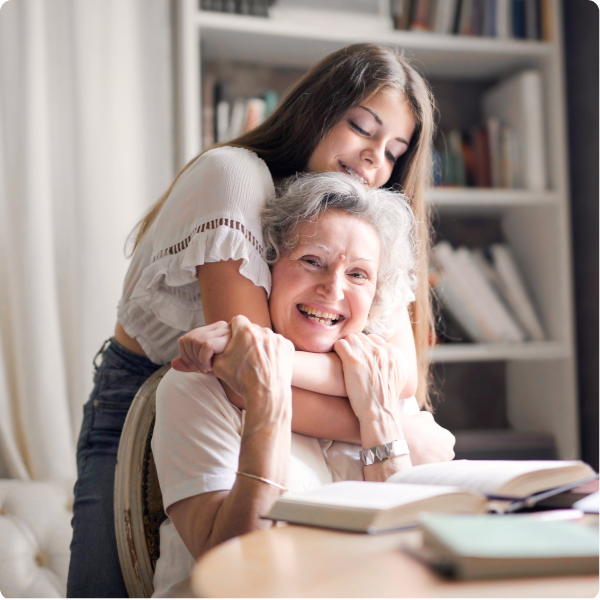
(256, 8)
(225, 118)
(508, 150)
(485, 293)
(505, 19)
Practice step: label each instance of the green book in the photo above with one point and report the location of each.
(506, 546)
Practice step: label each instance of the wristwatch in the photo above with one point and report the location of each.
(383, 452)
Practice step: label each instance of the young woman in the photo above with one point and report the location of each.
(362, 111)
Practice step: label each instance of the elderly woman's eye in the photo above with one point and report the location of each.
(311, 261)
(358, 275)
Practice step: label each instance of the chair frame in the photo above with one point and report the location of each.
(135, 474)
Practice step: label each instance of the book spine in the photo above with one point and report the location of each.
(518, 19)
(546, 20)
(531, 19)
(512, 286)
(533, 136)
(477, 17)
(493, 130)
(402, 14)
(208, 113)
(464, 24)
(420, 21)
(489, 18)
(503, 19)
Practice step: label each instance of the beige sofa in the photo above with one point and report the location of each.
(35, 533)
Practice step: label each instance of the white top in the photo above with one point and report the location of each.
(212, 214)
(196, 446)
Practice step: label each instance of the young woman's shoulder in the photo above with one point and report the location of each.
(231, 164)
(219, 183)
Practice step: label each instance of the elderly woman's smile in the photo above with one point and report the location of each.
(323, 289)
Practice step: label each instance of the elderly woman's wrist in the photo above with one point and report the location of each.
(380, 429)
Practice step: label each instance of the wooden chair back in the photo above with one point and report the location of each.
(138, 499)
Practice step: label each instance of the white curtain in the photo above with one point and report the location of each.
(85, 147)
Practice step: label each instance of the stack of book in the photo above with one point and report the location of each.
(227, 118)
(508, 150)
(256, 8)
(485, 293)
(504, 19)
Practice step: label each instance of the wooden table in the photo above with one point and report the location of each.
(297, 561)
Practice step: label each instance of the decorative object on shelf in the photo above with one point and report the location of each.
(503, 19)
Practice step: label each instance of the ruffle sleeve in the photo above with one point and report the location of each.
(211, 215)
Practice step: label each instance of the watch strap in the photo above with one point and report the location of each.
(383, 452)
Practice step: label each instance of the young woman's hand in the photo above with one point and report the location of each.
(198, 347)
(428, 441)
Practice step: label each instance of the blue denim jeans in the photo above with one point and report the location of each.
(94, 571)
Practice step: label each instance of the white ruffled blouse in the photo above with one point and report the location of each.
(212, 214)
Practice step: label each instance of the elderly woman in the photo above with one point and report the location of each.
(342, 257)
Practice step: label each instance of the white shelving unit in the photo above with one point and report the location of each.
(541, 385)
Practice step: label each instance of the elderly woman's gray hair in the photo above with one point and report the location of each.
(307, 197)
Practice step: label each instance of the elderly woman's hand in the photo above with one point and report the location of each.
(375, 375)
(257, 364)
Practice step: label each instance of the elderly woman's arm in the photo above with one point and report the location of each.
(374, 372)
(257, 365)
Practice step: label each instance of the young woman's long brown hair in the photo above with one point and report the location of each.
(308, 111)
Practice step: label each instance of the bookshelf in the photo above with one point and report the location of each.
(539, 376)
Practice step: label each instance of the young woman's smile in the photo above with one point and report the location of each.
(323, 290)
(368, 141)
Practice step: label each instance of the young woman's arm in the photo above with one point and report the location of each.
(225, 294)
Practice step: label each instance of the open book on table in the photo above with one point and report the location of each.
(461, 486)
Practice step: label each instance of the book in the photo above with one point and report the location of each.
(532, 23)
(223, 121)
(255, 113)
(208, 113)
(372, 507)
(491, 306)
(476, 27)
(518, 13)
(501, 479)
(517, 103)
(493, 130)
(445, 258)
(503, 19)
(420, 20)
(451, 299)
(445, 16)
(489, 18)
(570, 497)
(482, 156)
(401, 12)
(471, 547)
(512, 286)
(546, 20)
(465, 17)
